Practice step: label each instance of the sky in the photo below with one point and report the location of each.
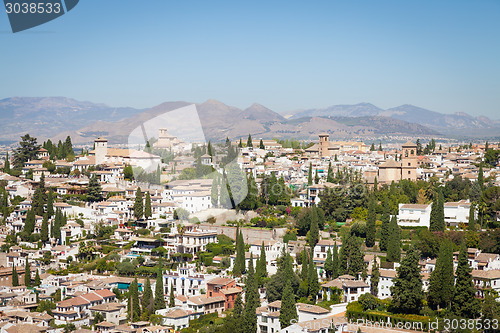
(287, 55)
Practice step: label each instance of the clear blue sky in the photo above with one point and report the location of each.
(286, 55)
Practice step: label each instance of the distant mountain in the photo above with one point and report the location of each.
(44, 116)
(57, 117)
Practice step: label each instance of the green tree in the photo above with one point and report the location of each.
(261, 144)
(314, 231)
(288, 311)
(44, 233)
(351, 259)
(6, 166)
(329, 264)
(309, 177)
(147, 298)
(134, 307)
(407, 293)
(312, 279)
(37, 279)
(335, 262)
(29, 224)
(128, 172)
(147, 206)
(316, 177)
(464, 304)
(50, 204)
(370, 224)
(239, 264)
(27, 151)
(27, 274)
(480, 178)
(472, 220)
(214, 193)
(159, 302)
(442, 278)
(437, 213)
(94, 190)
(251, 301)
(15, 277)
(261, 269)
(138, 204)
(375, 277)
(329, 177)
(171, 301)
(394, 244)
(249, 141)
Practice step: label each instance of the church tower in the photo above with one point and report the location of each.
(101, 150)
(324, 144)
(409, 161)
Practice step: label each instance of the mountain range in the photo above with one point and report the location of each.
(57, 117)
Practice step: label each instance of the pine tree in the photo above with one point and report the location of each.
(312, 279)
(442, 278)
(437, 213)
(309, 177)
(384, 232)
(147, 206)
(249, 141)
(134, 308)
(464, 304)
(375, 277)
(329, 264)
(171, 301)
(261, 144)
(370, 224)
(15, 277)
(94, 190)
(44, 233)
(472, 220)
(138, 204)
(288, 311)
(37, 279)
(394, 244)
(159, 302)
(50, 204)
(147, 297)
(407, 293)
(27, 274)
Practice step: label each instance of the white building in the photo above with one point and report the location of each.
(414, 215)
(456, 212)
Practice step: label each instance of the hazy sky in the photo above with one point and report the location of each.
(286, 55)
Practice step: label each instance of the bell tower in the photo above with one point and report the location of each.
(409, 161)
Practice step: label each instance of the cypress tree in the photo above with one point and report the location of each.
(329, 177)
(240, 145)
(171, 302)
(50, 204)
(138, 204)
(261, 144)
(370, 224)
(15, 277)
(159, 302)
(44, 233)
(384, 232)
(37, 279)
(134, 308)
(351, 259)
(407, 293)
(251, 300)
(335, 262)
(249, 141)
(305, 265)
(394, 245)
(309, 177)
(316, 177)
(239, 264)
(147, 206)
(94, 190)
(288, 311)
(472, 220)
(29, 223)
(6, 166)
(312, 279)
(442, 278)
(27, 274)
(314, 231)
(261, 269)
(214, 194)
(480, 178)
(464, 304)
(375, 278)
(238, 307)
(329, 264)
(147, 297)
